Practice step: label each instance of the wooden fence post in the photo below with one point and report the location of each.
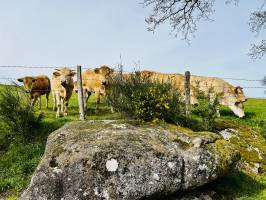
(187, 93)
(80, 93)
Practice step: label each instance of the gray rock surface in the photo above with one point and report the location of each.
(114, 160)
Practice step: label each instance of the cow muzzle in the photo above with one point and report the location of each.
(238, 109)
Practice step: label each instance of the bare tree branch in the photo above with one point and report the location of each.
(257, 51)
(257, 21)
(183, 15)
(264, 81)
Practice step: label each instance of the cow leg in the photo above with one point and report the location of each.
(62, 105)
(97, 94)
(47, 99)
(40, 102)
(58, 100)
(218, 111)
(86, 98)
(65, 108)
(112, 109)
(33, 101)
(54, 98)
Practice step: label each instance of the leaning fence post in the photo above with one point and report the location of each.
(187, 93)
(80, 93)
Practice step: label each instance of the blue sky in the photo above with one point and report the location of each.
(92, 33)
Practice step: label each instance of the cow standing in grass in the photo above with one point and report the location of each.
(95, 81)
(62, 86)
(36, 86)
(228, 95)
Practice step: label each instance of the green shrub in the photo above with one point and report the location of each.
(207, 108)
(17, 115)
(138, 97)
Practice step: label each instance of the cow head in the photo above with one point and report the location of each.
(235, 98)
(28, 82)
(102, 75)
(65, 75)
(146, 73)
(104, 70)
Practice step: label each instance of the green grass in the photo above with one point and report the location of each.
(18, 161)
(255, 110)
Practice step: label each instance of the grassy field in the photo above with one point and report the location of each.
(18, 162)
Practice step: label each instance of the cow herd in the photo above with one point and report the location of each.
(62, 85)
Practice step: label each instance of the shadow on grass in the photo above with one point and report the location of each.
(233, 186)
(237, 184)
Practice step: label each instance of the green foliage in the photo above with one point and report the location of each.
(207, 108)
(17, 115)
(19, 157)
(17, 164)
(140, 98)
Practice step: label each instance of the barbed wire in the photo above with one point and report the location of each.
(180, 85)
(85, 68)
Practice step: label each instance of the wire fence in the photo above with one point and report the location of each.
(13, 80)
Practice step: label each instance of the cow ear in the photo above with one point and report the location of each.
(33, 80)
(73, 73)
(20, 79)
(97, 70)
(56, 73)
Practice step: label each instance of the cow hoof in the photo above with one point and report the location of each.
(57, 115)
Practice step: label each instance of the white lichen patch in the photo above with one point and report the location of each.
(156, 177)
(119, 126)
(171, 165)
(96, 191)
(105, 194)
(112, 165)
(203, 167)
(151, 183)
(85, 194)
(197, 142)
(56, 170)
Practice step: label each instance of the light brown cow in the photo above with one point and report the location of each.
(95, 81)
(36, 86)
(62, 86)
(228, 95)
